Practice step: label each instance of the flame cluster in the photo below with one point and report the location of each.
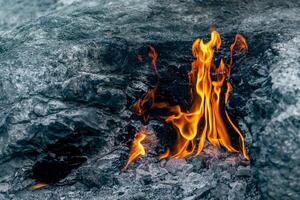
(206, 118)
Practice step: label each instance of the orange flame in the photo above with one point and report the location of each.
(207, 118)
(153, 55)
(38, 186)
(137, 149)
(140, 107)
(165, 154)
(239, 44)
(204, 119)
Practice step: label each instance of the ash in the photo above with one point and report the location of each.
(69, 73)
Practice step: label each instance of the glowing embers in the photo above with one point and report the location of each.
(206, 118)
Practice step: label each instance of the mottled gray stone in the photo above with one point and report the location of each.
(174, 165)
(69, 73)
(243, 171)
(238, 191)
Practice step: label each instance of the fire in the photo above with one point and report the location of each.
(137, 149)
(38, 186)
(142, 105)
(206, 118)
(153, 55)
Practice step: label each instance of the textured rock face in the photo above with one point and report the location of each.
(279, 158)
(69, 73)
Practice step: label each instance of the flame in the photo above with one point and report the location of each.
(39, 185)
(207, 118)
(153, 55)
(137, 149)
(239, 44)
(144, 104)
(140, 107)
(165, 154)
(204, 120)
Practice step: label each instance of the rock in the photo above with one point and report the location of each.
(2, 197)
(221, 191)
(195, 184)
(174, 165)
(277, 162)
(4, 187)
(226, 175)
(138, 196)
(69, 74)
(238, 191)
(243, 171)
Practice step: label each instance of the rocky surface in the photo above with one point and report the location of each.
(69, 73)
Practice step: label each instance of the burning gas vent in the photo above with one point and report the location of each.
(206, 118)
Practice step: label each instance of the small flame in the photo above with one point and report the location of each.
(239, 44)
(153, 55)
(137, 149)
(140, 107)
(39, 185)
(165, 154)
(144, 104)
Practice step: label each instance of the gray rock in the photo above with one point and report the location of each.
(243, 171)
(69, 74)
(238, 191)
(174, 165)
(278, 161)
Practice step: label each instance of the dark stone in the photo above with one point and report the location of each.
(69, 74)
